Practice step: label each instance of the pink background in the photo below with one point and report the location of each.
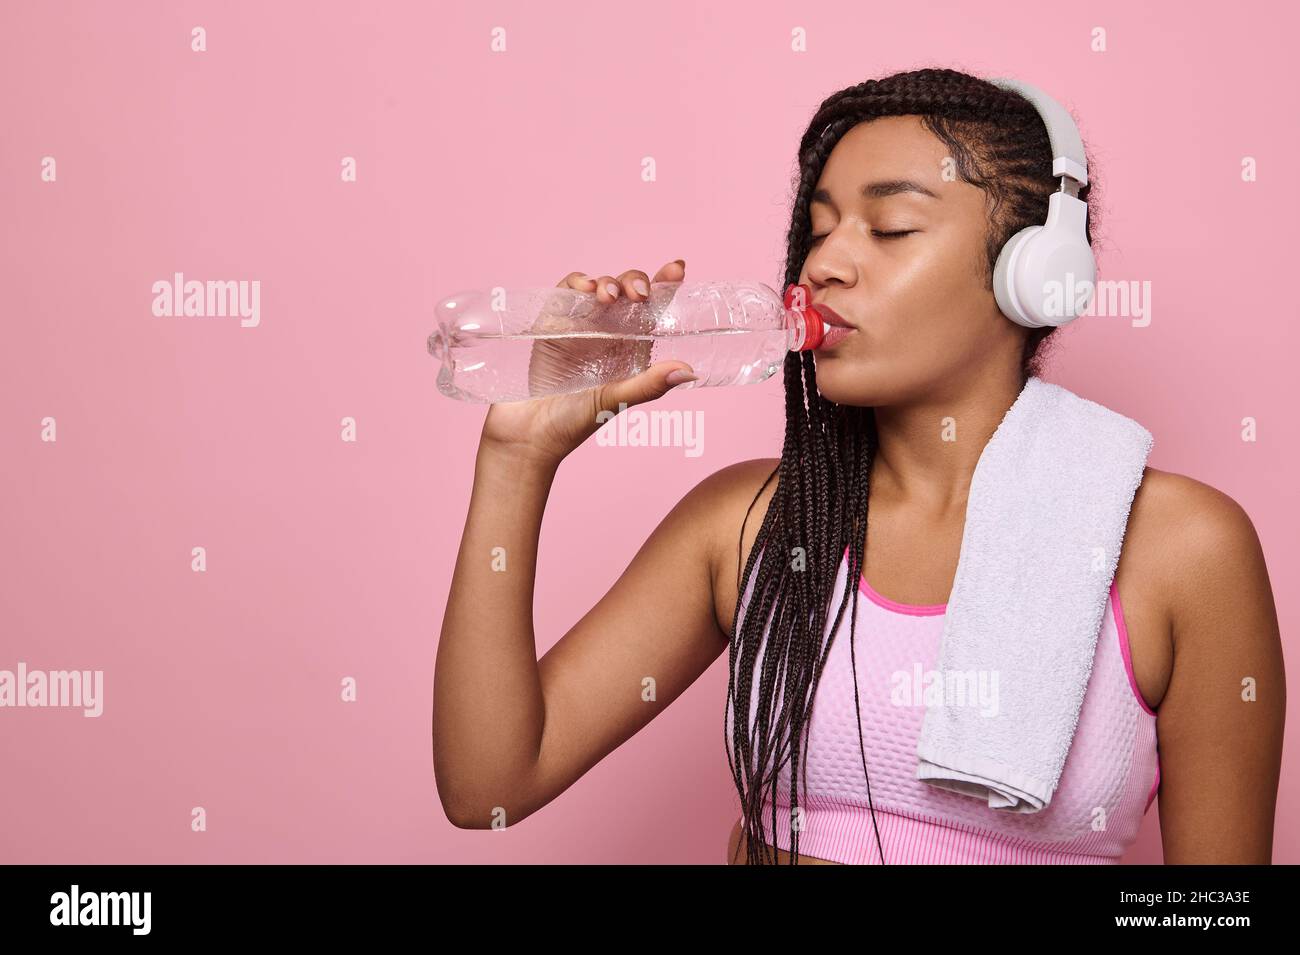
(328, 559)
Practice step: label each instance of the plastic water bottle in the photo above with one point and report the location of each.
(513, 345)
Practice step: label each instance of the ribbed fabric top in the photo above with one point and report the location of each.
(1110, 777)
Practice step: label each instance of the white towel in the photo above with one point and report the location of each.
(1045, 518)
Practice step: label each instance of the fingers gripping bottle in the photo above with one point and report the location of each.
(513, 345)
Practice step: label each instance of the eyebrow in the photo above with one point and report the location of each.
(879, 190)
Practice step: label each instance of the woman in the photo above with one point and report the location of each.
(959, 166)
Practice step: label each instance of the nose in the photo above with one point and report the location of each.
(823, 268)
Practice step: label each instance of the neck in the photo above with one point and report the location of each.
(928, 448)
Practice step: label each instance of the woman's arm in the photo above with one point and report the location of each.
(1220, 723)
(511, 733)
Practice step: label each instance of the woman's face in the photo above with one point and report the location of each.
(918, 302)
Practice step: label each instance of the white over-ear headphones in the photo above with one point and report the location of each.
(1046, 274)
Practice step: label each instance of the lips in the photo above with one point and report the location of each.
(830, 316)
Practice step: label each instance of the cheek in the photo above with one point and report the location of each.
(937, 286)
(943, 263)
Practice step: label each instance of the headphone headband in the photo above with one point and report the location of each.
(1067, 147)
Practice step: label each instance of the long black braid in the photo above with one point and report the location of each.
(819, 509)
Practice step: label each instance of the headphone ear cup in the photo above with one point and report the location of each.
(1005, 280)
(1045, 275)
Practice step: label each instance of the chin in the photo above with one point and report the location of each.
(844, 381)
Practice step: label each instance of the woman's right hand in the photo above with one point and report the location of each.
(546, 429)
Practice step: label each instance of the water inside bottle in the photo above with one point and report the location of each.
(496, 367)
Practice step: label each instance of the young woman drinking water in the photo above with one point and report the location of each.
(909, 187)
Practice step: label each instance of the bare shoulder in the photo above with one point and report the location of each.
(1198, 545)
(735, 499)
(1221, 721)
(728, 494)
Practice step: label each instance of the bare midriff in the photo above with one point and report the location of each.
(736, 851)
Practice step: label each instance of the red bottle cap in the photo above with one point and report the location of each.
(814, 327)
(816, 330)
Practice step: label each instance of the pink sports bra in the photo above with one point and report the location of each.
(1110, 778)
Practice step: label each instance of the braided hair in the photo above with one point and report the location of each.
(819, 508)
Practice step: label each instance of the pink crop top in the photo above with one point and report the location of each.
(1110, 778)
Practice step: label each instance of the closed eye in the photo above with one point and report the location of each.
(878, 234)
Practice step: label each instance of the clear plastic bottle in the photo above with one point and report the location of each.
(513, 345)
